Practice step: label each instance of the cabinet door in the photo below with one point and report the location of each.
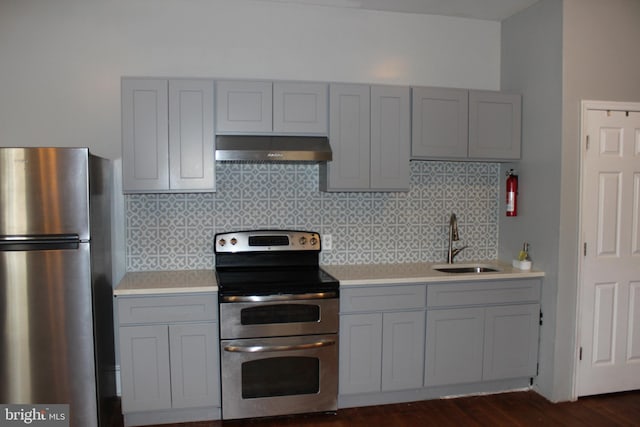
(349, 136)
(402, 350)
(360, 353)
(511, 341)
(494, 125)
(390, 137)
(191, 136)
(440, 123)
(195, 377)
(300, 108)
(454, 346)
(144, 368)
(244, 106)
(145, 138)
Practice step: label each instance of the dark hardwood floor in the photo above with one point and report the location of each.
(515, 409)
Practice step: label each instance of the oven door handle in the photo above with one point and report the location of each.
(283, 297)
(267, 348)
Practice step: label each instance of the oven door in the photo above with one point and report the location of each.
(279, 376)
(278, 315)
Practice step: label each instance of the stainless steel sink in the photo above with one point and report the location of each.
(466, 268)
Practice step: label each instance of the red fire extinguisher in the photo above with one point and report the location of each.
(512, 193)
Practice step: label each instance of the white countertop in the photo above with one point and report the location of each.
(186, 281)
(167, 282)
(353, 275)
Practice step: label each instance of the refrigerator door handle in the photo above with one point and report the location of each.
(48, 242)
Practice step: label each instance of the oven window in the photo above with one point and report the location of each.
(280, 376)
(280, 313)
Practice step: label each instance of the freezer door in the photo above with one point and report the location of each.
(44, 191)
(46, 344)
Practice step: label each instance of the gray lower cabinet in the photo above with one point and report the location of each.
(169, 359)
(405, 342)
(481, 331)
(511, 341)
(460, 124)
(370, 136)
(144, 368)
(402, 350)
(381, 338)
(455, 339)
(360, 353)
(193, 349)
(381, 351)
(167, 135)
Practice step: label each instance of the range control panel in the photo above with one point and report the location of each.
(267, 240)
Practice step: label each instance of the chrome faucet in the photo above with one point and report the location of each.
(453, 237)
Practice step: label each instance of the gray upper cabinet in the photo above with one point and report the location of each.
(494, 125)
(459, 124)
(244, 106)
(390, 137)
(349, 136)
(440, 123)
(167, 135)
(145, 135)
(191, 135)
(300, 108)
(369, 132)
(265, 107)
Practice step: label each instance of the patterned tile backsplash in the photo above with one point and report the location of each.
(175, 231)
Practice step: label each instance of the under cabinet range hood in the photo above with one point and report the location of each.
(272, 148)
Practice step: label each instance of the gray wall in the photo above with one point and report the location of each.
(532, 65)
(558, 53)
(61, 60)
(601, 62)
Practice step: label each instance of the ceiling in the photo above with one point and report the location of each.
(493, 10)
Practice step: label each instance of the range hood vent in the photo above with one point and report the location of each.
(258, 148)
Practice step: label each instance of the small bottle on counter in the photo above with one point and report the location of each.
(524, 260)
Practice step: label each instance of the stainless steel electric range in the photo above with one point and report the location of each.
(278, 324)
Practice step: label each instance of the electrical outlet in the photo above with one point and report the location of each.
(327, 242)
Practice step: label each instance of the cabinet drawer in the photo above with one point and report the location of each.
(164, 309)
(476, 293)
(382, 298)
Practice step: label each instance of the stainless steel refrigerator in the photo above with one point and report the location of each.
(56, 318)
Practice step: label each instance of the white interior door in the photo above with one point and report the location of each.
(609, 311)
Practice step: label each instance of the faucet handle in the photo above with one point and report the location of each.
(456, 251)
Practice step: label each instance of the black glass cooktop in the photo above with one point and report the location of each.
(274, 280)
